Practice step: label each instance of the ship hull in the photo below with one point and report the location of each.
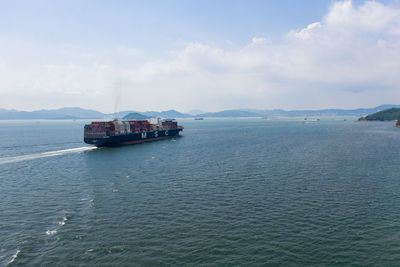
(132, 138)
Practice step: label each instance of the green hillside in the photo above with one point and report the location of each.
(135, 116)
(391, 114)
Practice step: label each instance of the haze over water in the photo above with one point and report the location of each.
(228, 192)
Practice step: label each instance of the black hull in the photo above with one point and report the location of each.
(133, 138)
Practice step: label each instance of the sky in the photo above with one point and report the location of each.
(208, 55)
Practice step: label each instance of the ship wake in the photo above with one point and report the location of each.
(13, 159)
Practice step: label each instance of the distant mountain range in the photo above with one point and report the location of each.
(167, 114)
(297, 113)
(62, 113)
(79, 113)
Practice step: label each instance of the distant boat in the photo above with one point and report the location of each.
(198, 119)
(310, 120)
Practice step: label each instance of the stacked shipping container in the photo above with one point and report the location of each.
(169, 124)
(117, 132)
(111, 128)
(100, 128)
(139, 126)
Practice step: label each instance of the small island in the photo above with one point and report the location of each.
(398, 123)
(392, 114)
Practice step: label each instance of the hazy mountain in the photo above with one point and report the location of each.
(166, 114)
(121, 114)
(195, 112)
(230, 113)
(340, 112)
(2, 110)
(79, 113)
(173, 114)
(66, 117)
(62, 113)
(75, 112)
(322, 112)
(295, 113)
(135, 116)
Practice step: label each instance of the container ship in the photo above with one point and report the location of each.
(125, 132)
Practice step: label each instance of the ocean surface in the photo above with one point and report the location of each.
(228, 192)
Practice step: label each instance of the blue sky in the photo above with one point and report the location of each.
(154, 27)
(147, 21)
(206, 55)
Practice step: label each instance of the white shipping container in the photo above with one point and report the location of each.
(156, 121)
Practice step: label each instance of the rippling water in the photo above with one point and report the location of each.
(228, 192)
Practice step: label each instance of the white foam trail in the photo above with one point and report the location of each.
(51, 232)
(62, 222)
(44, 154)
(13, 257)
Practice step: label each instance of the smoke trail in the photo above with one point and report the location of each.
(117, 95)
(116, 87)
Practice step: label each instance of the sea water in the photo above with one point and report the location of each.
(228, 192)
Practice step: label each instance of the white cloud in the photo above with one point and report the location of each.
(369, 17)
(306, 32)
(350, 58)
